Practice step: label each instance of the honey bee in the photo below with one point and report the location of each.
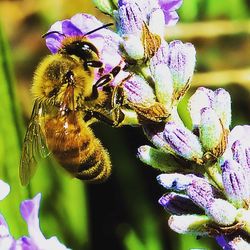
(67, 102)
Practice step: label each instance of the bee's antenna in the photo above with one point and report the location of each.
(88, 33)
(99, 28)
(52, 32)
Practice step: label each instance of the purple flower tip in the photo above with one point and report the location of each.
(29, 208)
(169, 8)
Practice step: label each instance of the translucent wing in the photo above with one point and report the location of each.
(34, 145)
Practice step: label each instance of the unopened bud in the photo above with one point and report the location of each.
(211, 130)
(158, 159)
(181, 64)
(222, 106)
(179, 204)
(183, 142)
(236, 183)
(222, 212)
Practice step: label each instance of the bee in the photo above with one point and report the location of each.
(67, 102)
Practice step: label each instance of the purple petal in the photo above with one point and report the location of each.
(69, 29)
(29, 210)
(169, 7)
(24, 243)
(171, 18)
(223, 243)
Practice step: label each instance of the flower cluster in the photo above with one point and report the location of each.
(207, 170)
(36, 240)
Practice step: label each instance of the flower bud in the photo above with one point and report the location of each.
(162, 76)
(202, 98)
(211, 131)
(155, 135)
(179, 204)
(181, 64)
(236, 183)
(131, 17)
(222, 212)
(105, 6)
(177, 182)
(222, 106)
(133, 46)
(138, 91)
(158, 159)
(201, 192)
(183, 142)
(163, 85)
(190, 224)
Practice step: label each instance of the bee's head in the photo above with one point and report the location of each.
(80, 48)
(79, 45)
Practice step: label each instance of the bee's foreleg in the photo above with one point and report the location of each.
(107, 78)
(94, 64)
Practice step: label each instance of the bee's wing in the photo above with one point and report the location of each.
(34, 145)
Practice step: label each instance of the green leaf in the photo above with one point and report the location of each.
(11, 130)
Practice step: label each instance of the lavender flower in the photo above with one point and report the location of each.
(36, 240)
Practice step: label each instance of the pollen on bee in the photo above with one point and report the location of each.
(66, 125)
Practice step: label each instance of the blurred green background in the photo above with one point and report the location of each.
(123, 212)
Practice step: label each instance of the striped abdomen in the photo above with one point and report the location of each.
(76, 148)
